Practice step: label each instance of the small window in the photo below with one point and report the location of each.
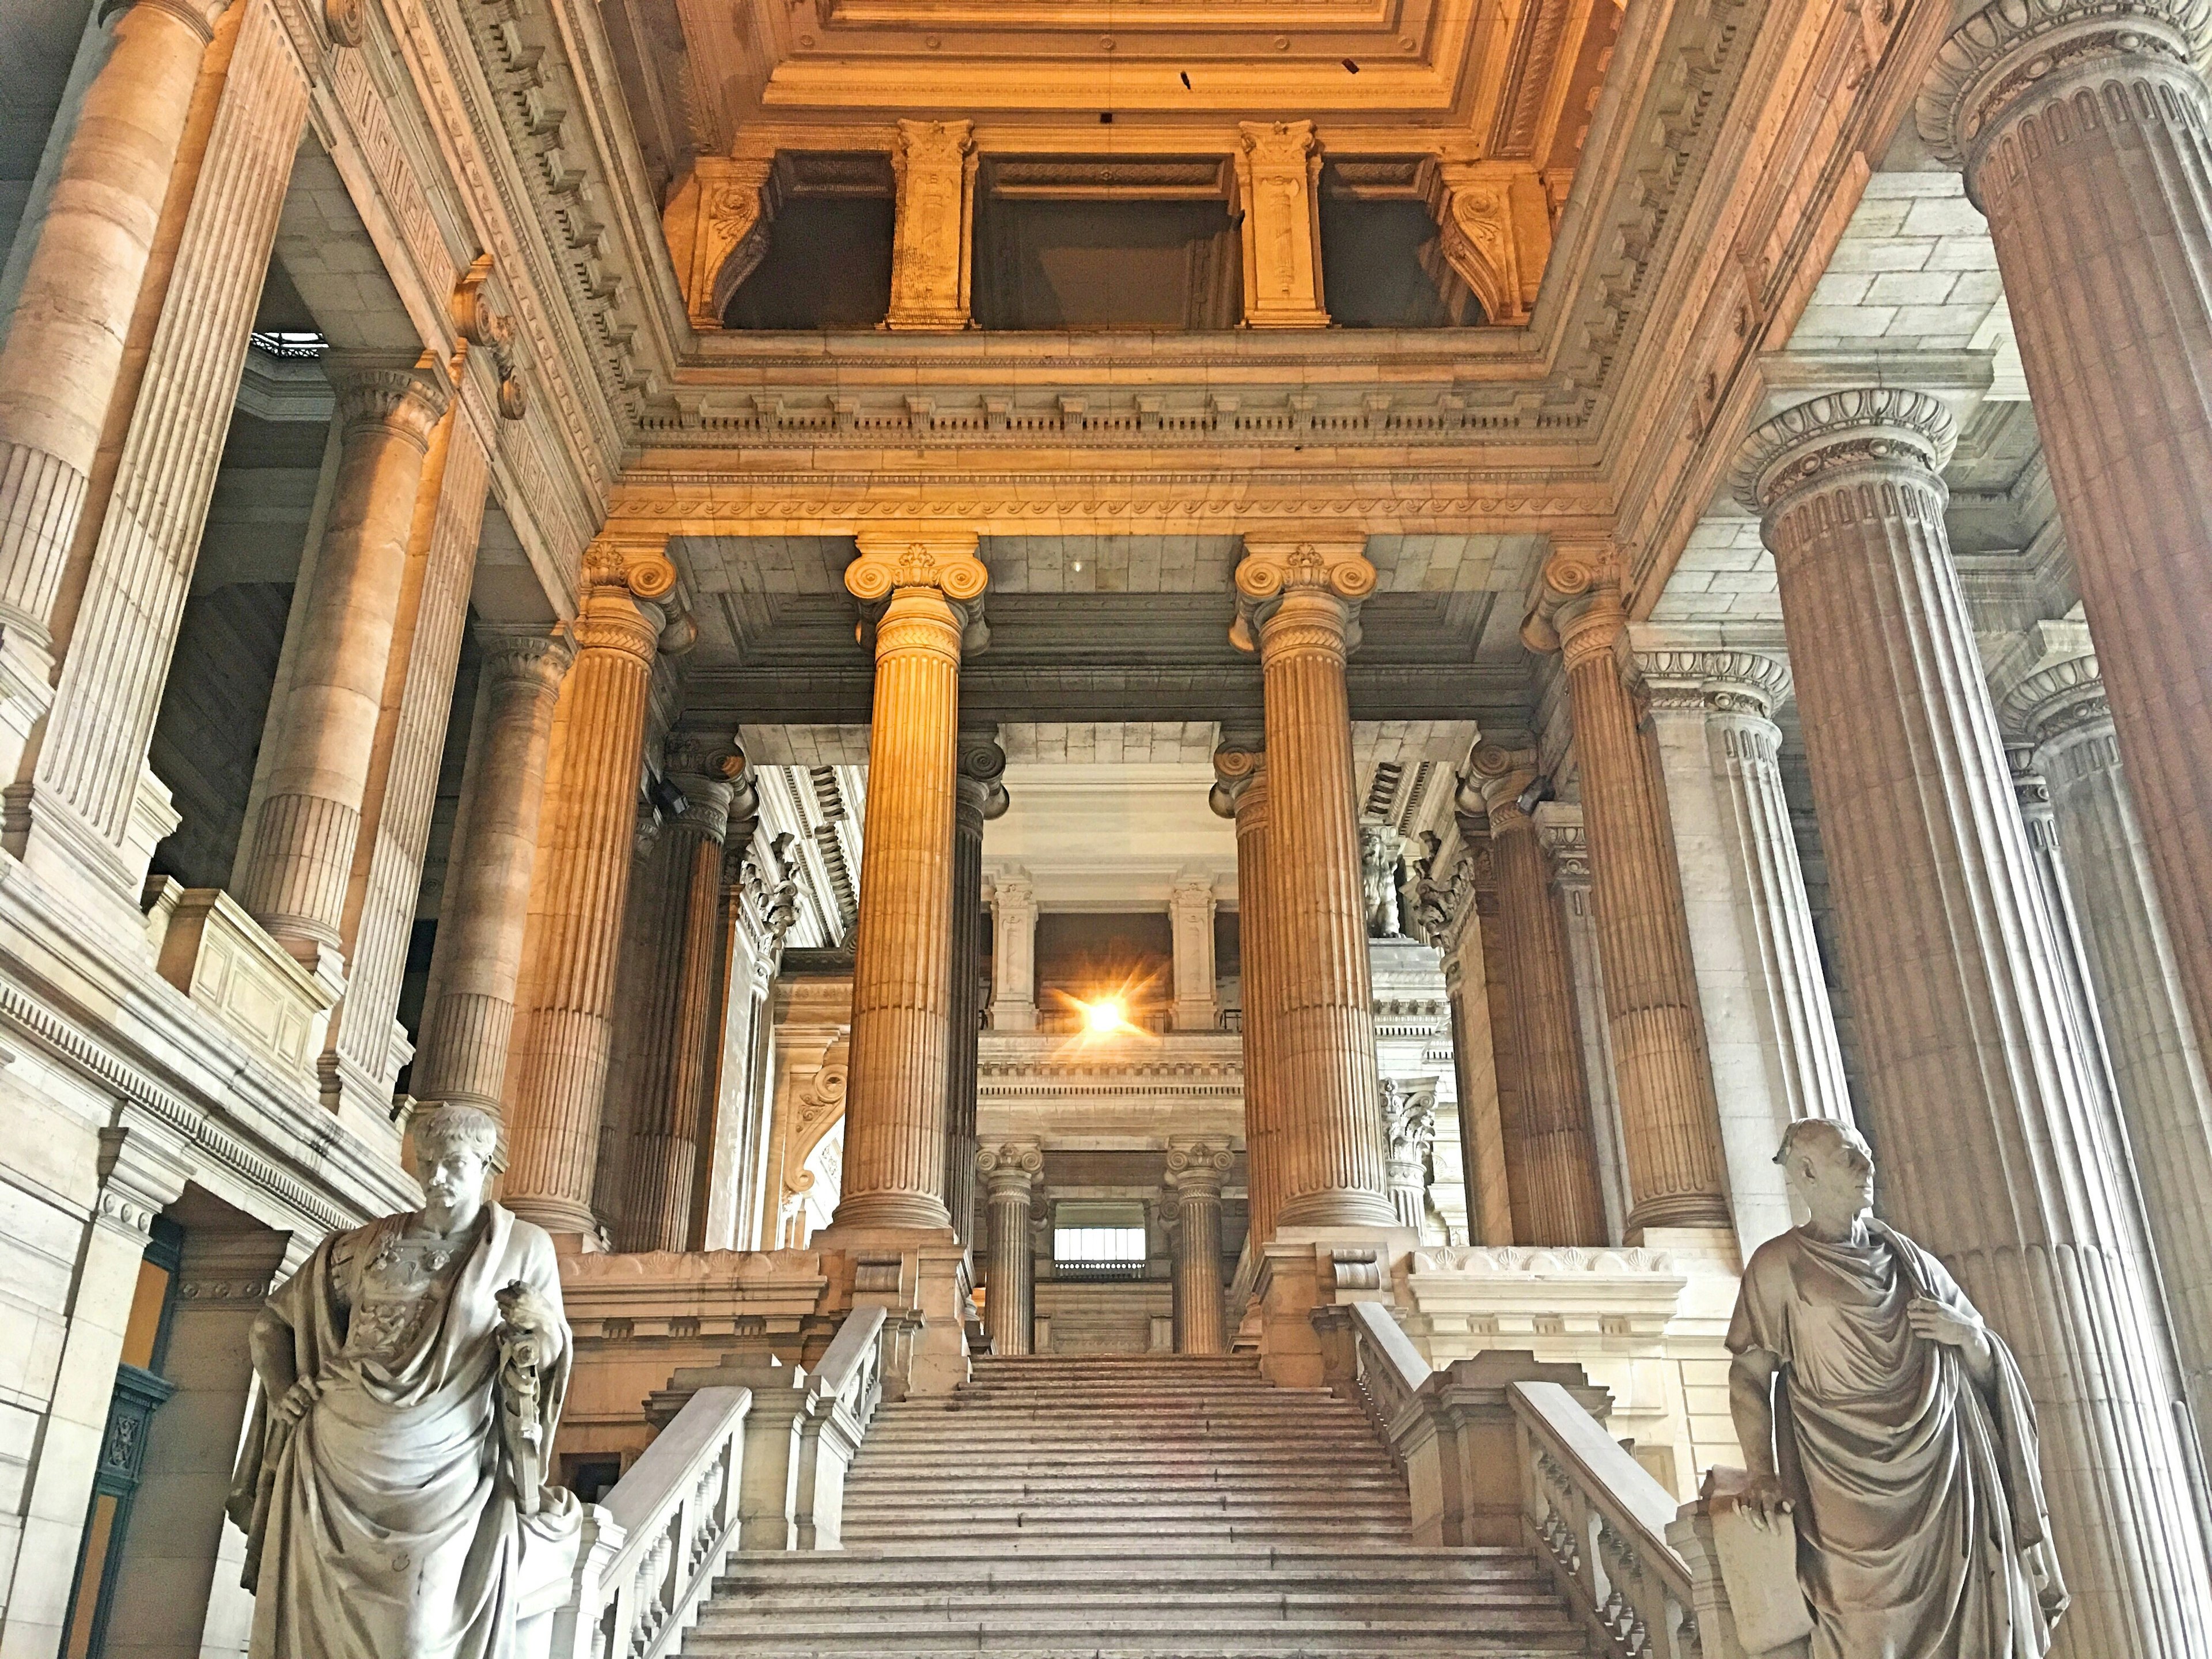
(1098, 1241)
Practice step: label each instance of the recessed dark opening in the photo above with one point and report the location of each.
(828, 266)
(1114, 262)
(1383, 263)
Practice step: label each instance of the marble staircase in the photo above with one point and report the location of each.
(1130, 1508)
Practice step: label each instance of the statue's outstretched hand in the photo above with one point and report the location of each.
(1934, 1323)
(292, 1405)
(1762, 1499)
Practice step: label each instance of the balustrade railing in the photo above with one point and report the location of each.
(651, 1550)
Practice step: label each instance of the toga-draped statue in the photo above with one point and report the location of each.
(1875, 1406)
(391, 1485)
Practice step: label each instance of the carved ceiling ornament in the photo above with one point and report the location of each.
(717, 225)
(1495, 233)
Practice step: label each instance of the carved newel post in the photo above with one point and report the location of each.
(1893, 1427)
(403, 1366)
(1008, 1174)
(1196, 1169)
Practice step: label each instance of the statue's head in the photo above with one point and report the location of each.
(1829, 1168)
(454, 1149)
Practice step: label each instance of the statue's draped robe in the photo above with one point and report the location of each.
(385, 1523)
(1919, 1502)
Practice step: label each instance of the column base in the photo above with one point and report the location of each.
(890, 1211)
(1335, 1210)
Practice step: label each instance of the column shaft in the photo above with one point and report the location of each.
(980, 796)
(559, 1064)
(902, 948)
(1329, 1150)
(297, 875)
(2085, 134)
(1550, 1159)
(1008, 1174)
(92, 761)
(1668, 1113)
(1995, 1152)
(63, 350)
(1243, 794)
(470, 1015)
(1566, 850)
(1196, 1172)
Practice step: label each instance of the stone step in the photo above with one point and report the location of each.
(943, 1563)
(976, 1486)
(1333, 1600)
(726, 1628)
(1159, 1533)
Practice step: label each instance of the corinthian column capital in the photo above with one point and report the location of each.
(406, 399)
(1885, 428)
(1298, 594)
(2018, 56)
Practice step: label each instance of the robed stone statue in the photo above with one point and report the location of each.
(392, 1484)
(1875, 1407)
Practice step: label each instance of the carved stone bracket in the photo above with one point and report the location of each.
(479, 325)
(717, 227)
(1495, 228)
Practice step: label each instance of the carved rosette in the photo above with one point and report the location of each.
(2017, 57)
(1302, 596)
(1845, 434)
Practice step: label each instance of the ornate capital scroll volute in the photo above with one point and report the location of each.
(1295, 574)
(1578, 605)
(941, 561)
(717, 227)
(478, 324)
(639, 571)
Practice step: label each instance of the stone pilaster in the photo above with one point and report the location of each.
(1409, 1126)
(297, 875)
(167, 399)
(1013, 951)
(2080, 125)
(1240, 793)
(1566, 852)
(1769, 1030)
(667, 1157)
(367, 1047)
(981, 797)
(1278, 187)
(1190, 915)
(64, 347)
(1297, 603)
(1550, 1158)
(2158, 1067)
(559, 1067)
(1196, 1171)
(1009, 1174)
(1995, 1154)
(895, 1122)
(1669, 1115)
(932, 244)
(470, 1013)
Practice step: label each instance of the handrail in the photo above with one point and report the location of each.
(1601, 1519)
(651, 1551)
(1387, 1369)
(851, 1374)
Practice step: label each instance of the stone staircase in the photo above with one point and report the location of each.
(1160, 1507)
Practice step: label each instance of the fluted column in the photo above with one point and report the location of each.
(2084, 131)
(1298, 603)
(1409, 1128)
(169, 406)
(296, 878)
(1567, 856)
(895, 1117)
(1013, 951)
(1240, 793)
(64, 344)
(2158, 1067)
(1551, 1158)
(559, 1068)
(1196, 1169)
(1669, 1115)
(462, 1056)
(1768, 1026)
(981, 797)
(1009, 1174)
(664, 1160)
(1994, 1153)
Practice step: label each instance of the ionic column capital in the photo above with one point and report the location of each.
(2016, 56)
(1501, 777)
(978, 766)
(1240, 783)
(199, 16)
(374, 390)
(1578, 609)
(1196, 1169)
(1010, 1170)
(2052, 687)
(1566, 845)
(1843, 434)
(526, 653)
(923, 588)
(708, 773)
(1300, 594)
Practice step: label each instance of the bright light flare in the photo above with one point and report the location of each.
(1104, 1017)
